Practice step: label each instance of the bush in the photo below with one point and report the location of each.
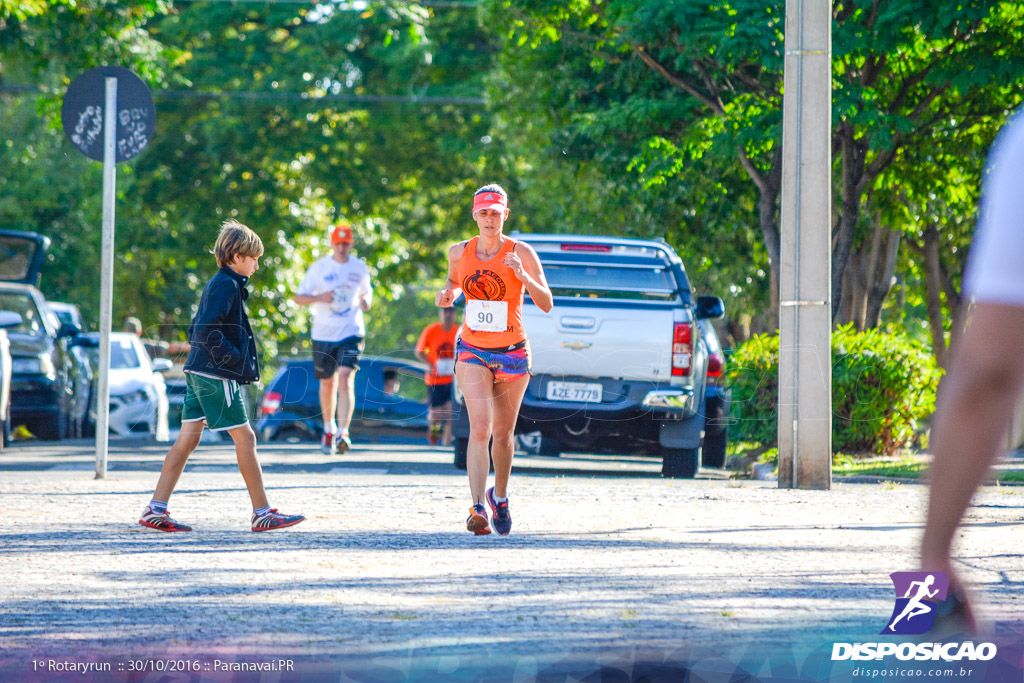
(883, 387)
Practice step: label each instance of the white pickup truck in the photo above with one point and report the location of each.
(619, 364)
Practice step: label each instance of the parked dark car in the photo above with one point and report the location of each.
(8, 319)
(391, 401)
(68, 313)
(44, 371)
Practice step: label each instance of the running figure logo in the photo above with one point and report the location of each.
(918, 594)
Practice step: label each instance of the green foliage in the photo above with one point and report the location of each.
(904, 468)
(883, 387)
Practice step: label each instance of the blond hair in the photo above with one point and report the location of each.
(235, 240)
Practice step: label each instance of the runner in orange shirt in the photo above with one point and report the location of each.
(492, 355)
(436, 348)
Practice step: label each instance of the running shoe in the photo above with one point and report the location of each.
(343, 443)
(161, 521)
(327, 444)
(433, 437)
(501, 518)
(274, 520)
(477, 521)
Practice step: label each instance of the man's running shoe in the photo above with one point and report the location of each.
(343, 443)
(161, 521)
(274, 520)
(477, 521)
(433, 437)
(501, 518)
(327, 444)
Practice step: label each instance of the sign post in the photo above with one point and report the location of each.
(113, 101)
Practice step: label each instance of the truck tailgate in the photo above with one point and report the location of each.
(594, 341)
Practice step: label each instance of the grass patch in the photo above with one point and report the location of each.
(1012, 476)
(903, 468)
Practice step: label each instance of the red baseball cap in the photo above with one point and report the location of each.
(341, 234)
(489, 200)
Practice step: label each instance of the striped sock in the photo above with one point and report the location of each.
(259, 512)
(158, 506)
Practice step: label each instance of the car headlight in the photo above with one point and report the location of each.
(37, 365)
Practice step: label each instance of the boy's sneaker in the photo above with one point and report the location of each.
(501, 518)
(274, 520)
(327, 444)
(161, 521)
(343, 443)
(477, 521)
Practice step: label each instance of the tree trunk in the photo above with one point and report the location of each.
(851, 188)
(881, 283)
(933, 285)
(769, 186)
(846, 314)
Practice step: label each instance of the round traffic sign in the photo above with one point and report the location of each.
(82, 112)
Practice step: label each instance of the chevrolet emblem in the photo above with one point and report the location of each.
(576, 345)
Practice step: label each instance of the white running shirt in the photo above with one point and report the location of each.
(343, 317)
(995, 266)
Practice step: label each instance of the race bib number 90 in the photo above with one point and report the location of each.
(487, 316)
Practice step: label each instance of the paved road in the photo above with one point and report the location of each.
(604, 555)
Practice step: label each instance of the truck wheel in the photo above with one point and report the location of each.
(549, 446)
(712, 453)
(679, 463)
(290, 435)
(51, 428)
(461, 448)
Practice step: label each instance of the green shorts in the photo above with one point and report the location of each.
(218, 401)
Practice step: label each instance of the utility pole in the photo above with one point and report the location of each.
(805, 306)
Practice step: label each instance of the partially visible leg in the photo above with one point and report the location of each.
(248, 465)
(177, 457)
(433, 424)
(508, 397)
(975, 406)
(477, 384)
(263, 518)
(445, 413)
(346, 397)
(328, 397)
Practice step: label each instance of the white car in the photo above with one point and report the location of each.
(138, 395)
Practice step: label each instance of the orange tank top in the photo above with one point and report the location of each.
(491, 281)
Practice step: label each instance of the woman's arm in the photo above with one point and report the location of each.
(451, 290)
(525, 264)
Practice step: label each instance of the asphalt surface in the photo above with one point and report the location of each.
(604, 553)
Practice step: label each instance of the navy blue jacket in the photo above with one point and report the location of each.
(221, 339)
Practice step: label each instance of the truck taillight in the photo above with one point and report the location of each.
(716, 363)
(682, 349)
(271, 402)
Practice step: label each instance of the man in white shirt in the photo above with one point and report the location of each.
(338, 288)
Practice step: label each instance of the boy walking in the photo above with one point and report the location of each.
(222, 357)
